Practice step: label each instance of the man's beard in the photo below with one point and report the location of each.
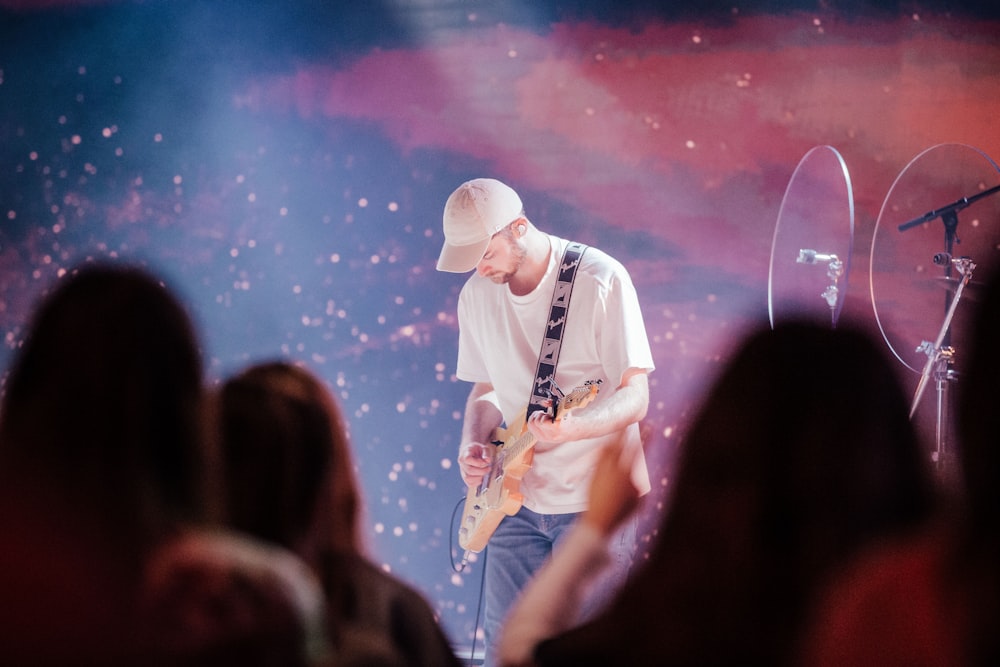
(501, 277)
(518, 255)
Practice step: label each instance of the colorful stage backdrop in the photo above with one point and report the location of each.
(284, 166)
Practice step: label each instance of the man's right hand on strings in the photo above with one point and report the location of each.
(474, 460)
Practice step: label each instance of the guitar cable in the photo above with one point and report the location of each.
(451, 541)
(460, 567)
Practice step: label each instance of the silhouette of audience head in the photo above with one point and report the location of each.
(104, 477)
(291, 480)
(933, 598)
(801, 453)
(978, 417)
(287, 460)
(975, 565)
(103, 402)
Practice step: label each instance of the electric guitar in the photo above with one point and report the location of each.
(498, 494)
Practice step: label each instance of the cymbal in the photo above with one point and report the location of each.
(972, 288)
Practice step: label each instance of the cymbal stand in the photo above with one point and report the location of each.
(834, 271)
(940, 358)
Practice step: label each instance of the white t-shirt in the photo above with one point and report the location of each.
(500, 336)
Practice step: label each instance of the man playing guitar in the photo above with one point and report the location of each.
(505, 338)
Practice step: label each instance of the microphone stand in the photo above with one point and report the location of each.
(952, 208)
(940, 354)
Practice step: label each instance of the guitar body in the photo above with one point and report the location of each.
(498, 495)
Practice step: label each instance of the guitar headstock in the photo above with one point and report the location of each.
(578, 398)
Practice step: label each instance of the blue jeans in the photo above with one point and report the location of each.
(519, 547)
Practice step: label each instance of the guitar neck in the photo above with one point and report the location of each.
(519, 445)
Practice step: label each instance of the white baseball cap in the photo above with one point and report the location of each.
(474, 212)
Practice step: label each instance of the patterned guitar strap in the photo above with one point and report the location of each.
(544, 384)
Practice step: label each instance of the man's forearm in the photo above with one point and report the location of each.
(482, 414)
(624, 407)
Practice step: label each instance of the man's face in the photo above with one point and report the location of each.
(503, 258)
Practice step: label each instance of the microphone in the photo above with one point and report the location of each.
(964, 264)
(807, 256)
(945, 258)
